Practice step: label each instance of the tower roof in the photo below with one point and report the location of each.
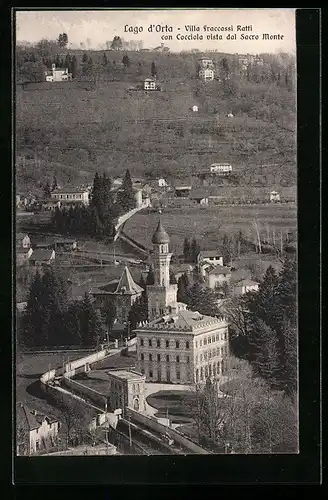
(160, 236)
(127, 285)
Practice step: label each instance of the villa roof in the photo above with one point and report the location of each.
(183, 321)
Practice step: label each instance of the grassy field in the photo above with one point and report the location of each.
(73, 132)
(208, 224)
(173, 403)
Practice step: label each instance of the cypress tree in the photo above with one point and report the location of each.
(74, 67)
(186, 250)
(194, 250)
(183, 285)
(33, 333)
(47, 190)
(125, 197)
(150, 277)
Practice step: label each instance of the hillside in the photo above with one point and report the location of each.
(73, 132)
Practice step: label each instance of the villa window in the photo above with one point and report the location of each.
(167, 343)
(150, 345)
(178, 375)
(178, 359)
(177, 344)
(158, 357)
(205, 341)
(187, 359)
(142, 356)
(167, 358)
(187, 345)
(158, 343)
(151, 373)
(141, 342)
(209, 340)
(150, 357)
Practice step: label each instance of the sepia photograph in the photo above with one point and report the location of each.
(155, 171)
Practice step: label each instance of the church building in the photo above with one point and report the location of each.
(177, 346)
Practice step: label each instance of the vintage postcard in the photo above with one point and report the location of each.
(156, 232)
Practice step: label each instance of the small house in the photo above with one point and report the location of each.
(274, 197)
(42, 257)
(195, 108)
(34, 431)
(23, 240)
(245, 286)
(206, 74)
(213, 257)
(182, 191)
(23, 255)
(217, 275)
(149, 84)
(162, 183)
(200, 196)
(230, 115)
(65, 245)
(220, 168)
(58, 74)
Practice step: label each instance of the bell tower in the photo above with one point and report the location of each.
(162, 296)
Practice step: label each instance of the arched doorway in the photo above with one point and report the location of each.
(136, 404)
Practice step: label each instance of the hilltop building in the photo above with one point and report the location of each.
(177, 346)
(58, 74)
(249, 59)
(206, 69)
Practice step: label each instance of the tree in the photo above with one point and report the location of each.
(104, 60)
(150, 277)
(153, 70)
(62, 40)
(54, 184)
(264, 353)
(225, 66)
(138, 312)
(92, 328)
(126, 61)
(183, 285)
(125, 197)
(74, 66)
(194, 250)
(47, 190)
(116, 43)
(33, 333)
(226, 249)
(186, 250)
(173, 280)
(202, 299)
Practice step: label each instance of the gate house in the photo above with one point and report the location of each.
(126, 388)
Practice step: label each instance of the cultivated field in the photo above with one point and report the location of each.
(208, 224)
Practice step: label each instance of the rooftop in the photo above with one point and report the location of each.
(124, 285)
(220, 270)
(125, 374)
(247, 282)
(29, 420)
(183, 321)
(209, 253)
(160, 236)
(70, 190)
(41, 254)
